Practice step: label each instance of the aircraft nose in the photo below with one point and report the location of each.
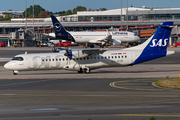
(7, 66)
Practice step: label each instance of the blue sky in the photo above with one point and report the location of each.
(60, 5)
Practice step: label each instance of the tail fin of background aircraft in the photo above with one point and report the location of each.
(60, 32)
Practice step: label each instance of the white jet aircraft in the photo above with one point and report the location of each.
(85, 60)
(101, 38)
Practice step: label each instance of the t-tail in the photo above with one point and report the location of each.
(156, 45)
(60, 32)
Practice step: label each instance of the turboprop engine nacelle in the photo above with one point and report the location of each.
(116, 42)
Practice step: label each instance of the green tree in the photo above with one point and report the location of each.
(8, 16)
(90, 9)
(69, 12)
(37, 10)
(79, 8)
(43, 14)
(103, 9)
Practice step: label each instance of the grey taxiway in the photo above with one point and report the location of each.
(108, 93)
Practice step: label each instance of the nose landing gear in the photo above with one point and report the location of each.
(15, 72)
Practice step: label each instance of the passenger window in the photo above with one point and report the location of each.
(112, 57)
(59, 59)
(115, 56)
(46, 59)
(122, 56)
(63, 59)
(101, 57)
(108, 56)
(94, 57)
(66, 58)
(56, 59)
(105, 57)
(49, 59)
(52, 59)
(76, 58)
(119, 57)
(125, 56)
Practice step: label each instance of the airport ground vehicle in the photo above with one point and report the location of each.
(176, 44)
(64, 43)
(51, 43)
(2, 44)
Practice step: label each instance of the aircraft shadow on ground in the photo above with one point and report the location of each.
(96, 72)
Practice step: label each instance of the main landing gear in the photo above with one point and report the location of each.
(85, 70)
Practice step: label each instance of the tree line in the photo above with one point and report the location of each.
(40, 12)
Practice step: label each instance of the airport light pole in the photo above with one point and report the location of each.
(121, 14)
(127, 14)
(33, 14)
(26, 13)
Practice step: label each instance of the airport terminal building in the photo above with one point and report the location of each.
(134, 14)
(134, 19)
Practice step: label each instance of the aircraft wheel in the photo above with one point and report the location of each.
(15, 72)
(102, 46)
(80, 71)
(87, 71)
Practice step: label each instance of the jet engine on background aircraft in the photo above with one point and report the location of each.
(115, 42)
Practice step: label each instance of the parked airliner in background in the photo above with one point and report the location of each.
(85, 60)
(101, 38)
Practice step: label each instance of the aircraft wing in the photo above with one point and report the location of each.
(94, 51)
(80, 53)
(107, 38)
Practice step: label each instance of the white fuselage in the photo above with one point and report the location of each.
(50, 61)
(98, 37)
(86, 37)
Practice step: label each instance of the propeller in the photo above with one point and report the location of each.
(68, 53)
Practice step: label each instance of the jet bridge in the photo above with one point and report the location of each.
(24, 38)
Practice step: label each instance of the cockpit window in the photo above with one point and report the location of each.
(18, 58)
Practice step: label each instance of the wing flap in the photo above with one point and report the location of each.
(80, 53)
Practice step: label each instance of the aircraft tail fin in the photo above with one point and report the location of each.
(156, 45)
(60, 31)
(160, 39)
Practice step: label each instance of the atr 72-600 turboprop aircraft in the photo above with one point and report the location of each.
(85, 60)
(101, 38)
